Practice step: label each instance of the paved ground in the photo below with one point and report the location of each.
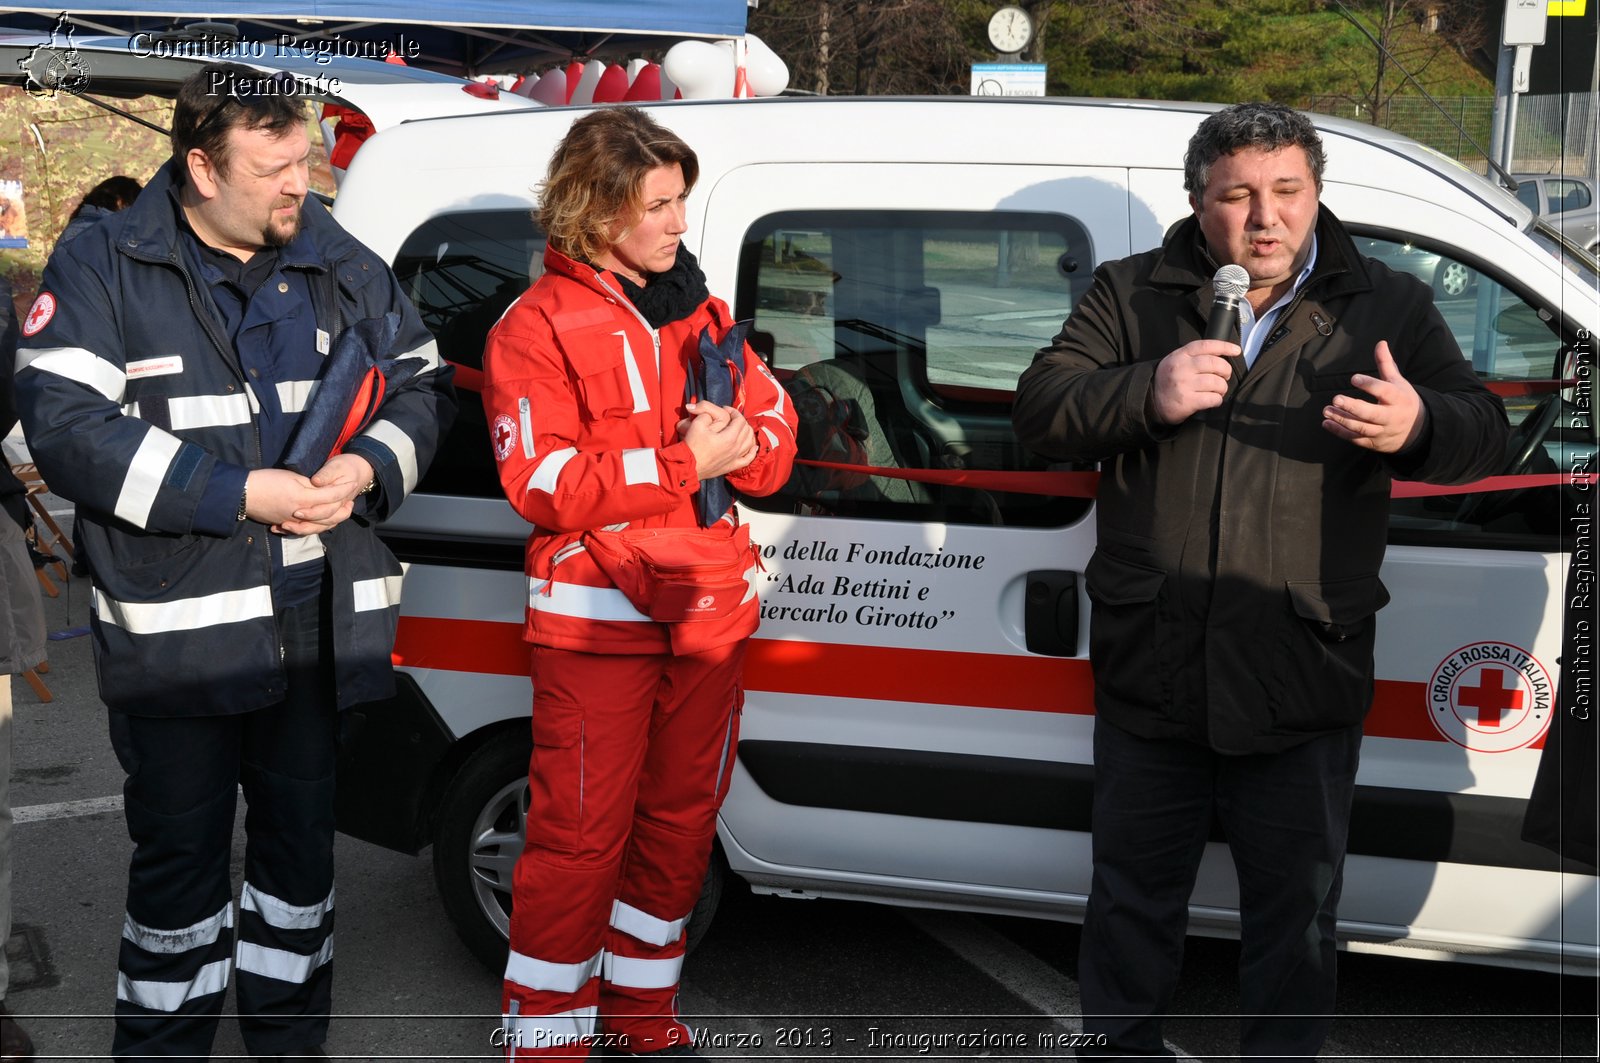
(773, 978)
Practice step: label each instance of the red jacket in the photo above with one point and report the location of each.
(584, 427)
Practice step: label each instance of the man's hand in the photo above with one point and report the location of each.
(1391, 422)
(721, 440)
(297, 505)
(1190, 379)
(274, 496)
(348, 470)
(349, 474)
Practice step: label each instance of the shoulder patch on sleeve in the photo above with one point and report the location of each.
(504, 434)
(39, 315)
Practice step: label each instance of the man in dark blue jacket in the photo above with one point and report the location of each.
(238, 606)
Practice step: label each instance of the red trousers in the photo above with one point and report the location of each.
(632, 755)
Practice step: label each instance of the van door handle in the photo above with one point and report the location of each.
(1050, 613)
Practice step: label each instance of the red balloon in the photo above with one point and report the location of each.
(612, 86)
(574, 75)
(646, 84)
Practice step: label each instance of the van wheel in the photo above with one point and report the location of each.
(479, 837)
(477, 842)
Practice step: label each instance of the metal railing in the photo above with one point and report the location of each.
(1554, 134)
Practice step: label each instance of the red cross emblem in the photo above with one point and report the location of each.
(43, 309)
(1490, 697)
(504, 434)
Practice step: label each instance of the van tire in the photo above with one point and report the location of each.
(476, 842)
(475, 848)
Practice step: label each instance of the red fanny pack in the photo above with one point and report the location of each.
(676, 575)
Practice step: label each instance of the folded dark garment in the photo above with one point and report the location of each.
(348, 392)
(717, 380)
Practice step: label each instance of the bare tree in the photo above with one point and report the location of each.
(865, 47)
(1408, 36)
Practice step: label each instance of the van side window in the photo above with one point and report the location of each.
(462, 271)
(1518, 349)
(900, 337)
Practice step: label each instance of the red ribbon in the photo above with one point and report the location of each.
(1528, 387)
(1085, 484)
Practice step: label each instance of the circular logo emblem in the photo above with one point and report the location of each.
(706, 602)
(505, 436)
(39, 315)
(1491, 697)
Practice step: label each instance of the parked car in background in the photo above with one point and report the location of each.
(1570, 204)
(1448, 278)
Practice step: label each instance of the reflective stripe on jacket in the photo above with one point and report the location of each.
(131, 396)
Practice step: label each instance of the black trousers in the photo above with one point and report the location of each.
(179, 944)
(1286, 817)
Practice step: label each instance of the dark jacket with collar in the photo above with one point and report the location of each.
(1234, 584)
(133, 401)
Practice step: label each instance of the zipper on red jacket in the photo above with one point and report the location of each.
(574, 547)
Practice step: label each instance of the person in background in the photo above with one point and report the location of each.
(239, 606)
(104, 199)
(22, 646)
(623, 405)
(1242, 517)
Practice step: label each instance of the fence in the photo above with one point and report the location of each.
(1554, 134)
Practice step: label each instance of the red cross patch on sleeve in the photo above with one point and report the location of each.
(39, 315)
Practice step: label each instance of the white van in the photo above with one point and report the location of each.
(918, 714)
(917, 722)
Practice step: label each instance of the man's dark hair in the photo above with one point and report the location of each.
(1267, 126)
(221, 97)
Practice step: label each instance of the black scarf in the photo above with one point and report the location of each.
(669, 296)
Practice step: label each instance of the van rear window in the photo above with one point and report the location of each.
(462, 271)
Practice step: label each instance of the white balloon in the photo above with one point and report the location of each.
(767, 74)
(701, 71)
(551, 88)
(732, 50)
(669, 88)
(592, 70)
(634, 66)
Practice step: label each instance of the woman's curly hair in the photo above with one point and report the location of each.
(590, 199)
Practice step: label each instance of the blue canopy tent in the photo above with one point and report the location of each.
(464, 37)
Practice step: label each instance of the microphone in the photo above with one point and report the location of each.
(1230, 284)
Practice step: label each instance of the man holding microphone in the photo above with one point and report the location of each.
(1242, 519)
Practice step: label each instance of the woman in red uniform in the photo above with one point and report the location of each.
(640, 583)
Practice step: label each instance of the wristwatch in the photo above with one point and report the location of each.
(244, 497)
